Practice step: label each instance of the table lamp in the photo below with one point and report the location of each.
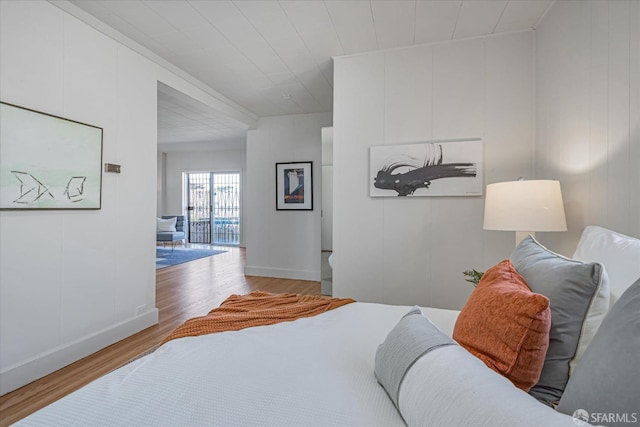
(524, 207)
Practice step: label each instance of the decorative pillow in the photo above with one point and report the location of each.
(618, 253)
(605, 383)
(165, 225)
(441, 383)
(450, 387)
(506, 325)
(409, 340)
(579, 298)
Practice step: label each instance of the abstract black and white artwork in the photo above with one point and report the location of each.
(435, 168)
(48, 162)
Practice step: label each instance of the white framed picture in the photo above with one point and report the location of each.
(434, 168)
(48, 162)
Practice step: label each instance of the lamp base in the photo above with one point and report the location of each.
(522, 234)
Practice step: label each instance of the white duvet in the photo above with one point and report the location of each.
(316, 371)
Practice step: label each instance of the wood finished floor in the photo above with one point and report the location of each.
(182, 291)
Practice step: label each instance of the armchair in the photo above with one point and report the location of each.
(173, 236)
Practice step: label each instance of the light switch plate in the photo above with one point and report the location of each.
(110, 167)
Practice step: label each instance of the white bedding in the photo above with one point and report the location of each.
(315, 371)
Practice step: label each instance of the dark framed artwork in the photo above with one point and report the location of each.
(434, 168)
(294, 186)
(48, 162)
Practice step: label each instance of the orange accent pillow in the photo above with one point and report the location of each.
(506, 325)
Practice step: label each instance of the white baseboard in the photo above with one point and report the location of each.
(37, 367)
(282, 273)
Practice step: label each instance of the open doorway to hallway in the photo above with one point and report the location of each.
(212, 203)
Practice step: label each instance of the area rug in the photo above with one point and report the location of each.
(167, 257)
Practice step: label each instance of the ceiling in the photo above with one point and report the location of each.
(187, 124)
(275, 57)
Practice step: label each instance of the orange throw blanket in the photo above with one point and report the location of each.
(256, 309)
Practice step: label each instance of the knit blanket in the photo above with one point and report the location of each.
(256, 309)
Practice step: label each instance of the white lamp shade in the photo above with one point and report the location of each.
(524, 206)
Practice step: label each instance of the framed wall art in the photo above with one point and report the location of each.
(294, 186)
(435, 168)
(48, 162)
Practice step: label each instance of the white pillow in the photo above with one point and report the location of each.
(451, 387)
(619, 254)
(165, 225)
(433, 381)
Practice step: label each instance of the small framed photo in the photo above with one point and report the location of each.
(294, 186)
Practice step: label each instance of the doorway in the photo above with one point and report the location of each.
(326, 238)
(212, 203)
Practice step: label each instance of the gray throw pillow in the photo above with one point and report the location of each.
(410, 339)
(573, 288)
(606, 382)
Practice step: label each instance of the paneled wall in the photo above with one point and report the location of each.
(68, 283)
(73, 282)
(588, 113)
(282, 243)
(413, 250)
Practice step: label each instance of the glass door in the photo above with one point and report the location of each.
(199, 206)
(213, 207)
(226, 208)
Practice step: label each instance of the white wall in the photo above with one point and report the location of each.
(282, 243)
(162, 184)
(326, 239)
(413, 250)
(178, 162)
(73, 282)
(588, 114)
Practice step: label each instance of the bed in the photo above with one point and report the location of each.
(331, 369)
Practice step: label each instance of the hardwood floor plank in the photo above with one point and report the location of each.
(182, 291)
